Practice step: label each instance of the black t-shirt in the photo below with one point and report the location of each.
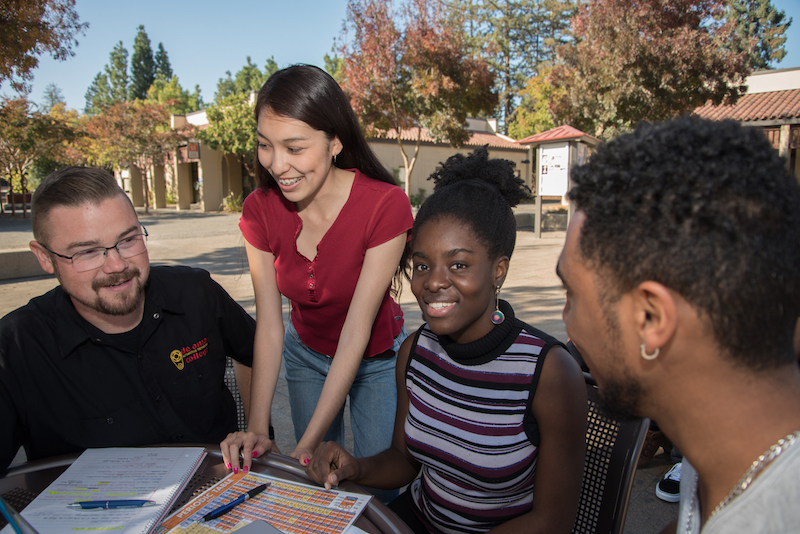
(66, 386)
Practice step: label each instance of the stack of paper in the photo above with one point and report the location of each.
(155, 474)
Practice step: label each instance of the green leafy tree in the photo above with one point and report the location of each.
(131, 133)
(30, 28)
(270, 68)
(117, 72)
(232, 129)
(517, 37)
(110, 86)
(333, 63)
(249, 78)
(27, 135)
(97, 95)
(63, 153)
(178, 100)
(421, 77)
(52, 96)
(533, 115)
(143, 66)
(163, 68)
(646, 60)
(761, 29)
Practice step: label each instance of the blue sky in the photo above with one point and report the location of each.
(204, 39)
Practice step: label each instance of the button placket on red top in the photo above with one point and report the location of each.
(312, 281)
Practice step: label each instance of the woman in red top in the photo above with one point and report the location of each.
(326, 228)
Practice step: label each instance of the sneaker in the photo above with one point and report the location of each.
(669, 489)
(655, 440)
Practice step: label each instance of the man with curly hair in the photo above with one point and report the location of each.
(683, 288)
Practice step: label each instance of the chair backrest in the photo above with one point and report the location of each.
(230, 381)
(612, 452)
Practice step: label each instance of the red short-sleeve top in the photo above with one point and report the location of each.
(320, 289)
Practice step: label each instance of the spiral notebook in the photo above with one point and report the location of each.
(158, 474)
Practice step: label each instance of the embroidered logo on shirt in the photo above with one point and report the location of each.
(180, 357)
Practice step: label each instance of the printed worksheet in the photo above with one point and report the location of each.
(290, 507)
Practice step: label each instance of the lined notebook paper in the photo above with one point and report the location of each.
(156, 474)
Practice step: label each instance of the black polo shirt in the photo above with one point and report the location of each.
(66, 386)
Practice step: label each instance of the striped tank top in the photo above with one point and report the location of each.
(470, 426)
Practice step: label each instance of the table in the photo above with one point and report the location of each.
(24, 482)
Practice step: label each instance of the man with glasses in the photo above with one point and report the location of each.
(119, 354)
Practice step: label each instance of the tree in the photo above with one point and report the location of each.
(52, 96)
(143, 66)
(97, 96)
(170, 93)
(29, 28)
(762, 30)
(533, 115)
(111, 85)
(26, 136)
(333, 63)
(163, 67)
(232, 129)
(419, 77)
(517, 37)
(131, 134)
(249, 78)
(646, 60)
(117, 72)
(63, 153)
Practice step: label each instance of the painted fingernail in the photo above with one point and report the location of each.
(246, 468)
(235, 470)
(305, 461)
(255, 454)
(228, 466)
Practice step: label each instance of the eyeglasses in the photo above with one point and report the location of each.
(93, 258)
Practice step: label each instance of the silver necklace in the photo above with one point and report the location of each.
(747, 479)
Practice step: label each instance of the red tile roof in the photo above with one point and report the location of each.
(559, 133)
(756, 106)
(476, 138)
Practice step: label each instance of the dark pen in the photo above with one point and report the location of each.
(234, 503)
(110, 505)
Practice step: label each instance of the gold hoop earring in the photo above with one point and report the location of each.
(650, 357)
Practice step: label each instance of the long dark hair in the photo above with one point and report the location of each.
(309, 94)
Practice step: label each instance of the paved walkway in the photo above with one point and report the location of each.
(213, 242)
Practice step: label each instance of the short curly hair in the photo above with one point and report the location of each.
(480, 192)
(709, 210)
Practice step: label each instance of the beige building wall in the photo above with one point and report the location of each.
(159, 186)
(220, 175)
(183, 176)
(211, 179)
(432, 156)
(135, 186)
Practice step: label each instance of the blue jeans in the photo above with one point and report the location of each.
(373, 397)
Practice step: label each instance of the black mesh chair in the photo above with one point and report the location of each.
(612, 451)
(230, 381)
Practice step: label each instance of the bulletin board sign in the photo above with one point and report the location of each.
(553, 169)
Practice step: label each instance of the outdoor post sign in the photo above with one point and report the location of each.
(553, 169)
(193, 150)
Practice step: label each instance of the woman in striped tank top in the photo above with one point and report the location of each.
(491, 414)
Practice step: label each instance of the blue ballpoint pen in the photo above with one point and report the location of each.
(110, 505)
(231, 505)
